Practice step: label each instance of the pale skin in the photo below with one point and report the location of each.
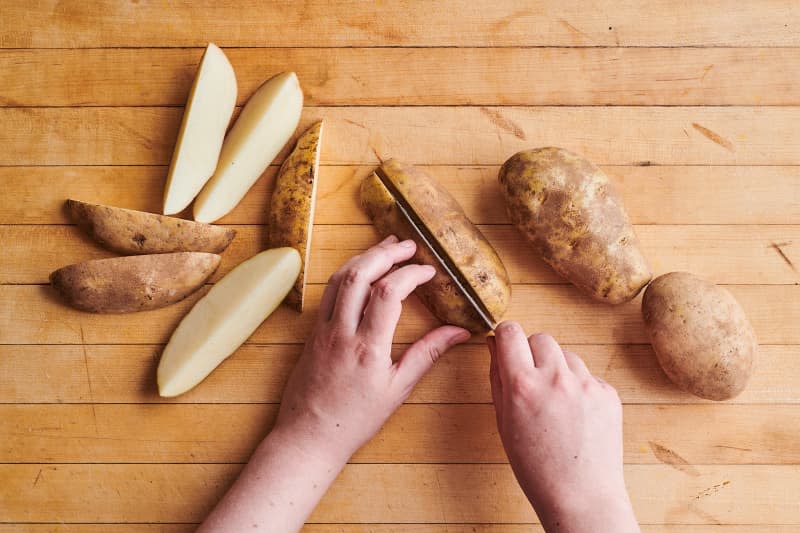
(560, 426)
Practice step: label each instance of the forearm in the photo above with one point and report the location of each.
(278, 488)
(578, 515)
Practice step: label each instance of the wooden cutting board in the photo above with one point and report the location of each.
(691, 108)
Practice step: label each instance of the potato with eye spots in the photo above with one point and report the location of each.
(574, 218)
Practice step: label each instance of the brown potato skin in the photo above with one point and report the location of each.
(477, 261)
(131, 232)
(291, 206)
(572, 214)
(133, 283)
(700, 335)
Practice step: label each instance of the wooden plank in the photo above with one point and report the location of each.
(417, 433)
(720, 494)
(417, 76)
(257, 373)
(373, 528)
(49, 24)
(723, 254)
(32, 314)
(653, 194)
(486, 135)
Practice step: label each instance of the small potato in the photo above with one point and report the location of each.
(133, 283)
(571, 213)
(700, 335)
(467, 250)
(130, 232)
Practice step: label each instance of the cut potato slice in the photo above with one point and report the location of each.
(133, 283)
(224, 318)
(129, 232)
(208, 112)
(266, 124)
(291, 214)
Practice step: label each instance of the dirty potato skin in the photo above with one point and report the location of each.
(572, 214)
(700, 335)
(133, 283)
(131, 232)
(291, 214)
(469, 250)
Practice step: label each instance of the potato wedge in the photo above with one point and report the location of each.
(133, 283)
(459, 241)
(572, 215)
(205, 120)
(291, 214)
(266, 124)
(130, 232)
(224, 318)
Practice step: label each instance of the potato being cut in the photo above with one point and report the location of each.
(266, 124)
(224, 318)
(133, 283)
(291, 215)
(208, 112)
(129, 232)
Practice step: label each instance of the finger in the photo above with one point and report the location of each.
(329, 295)
(386, 301)
(357, 279)
(494, 378)
(512, 350)
(547, 353)
(576, 364)
(421, 356)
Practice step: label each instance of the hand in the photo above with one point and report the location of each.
(561, 428)
(345, 385)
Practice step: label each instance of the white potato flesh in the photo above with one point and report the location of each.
(208, 112)
(265, 125)
(224, 318)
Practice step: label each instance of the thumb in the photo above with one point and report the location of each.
(420, 356)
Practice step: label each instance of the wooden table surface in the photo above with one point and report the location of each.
(692, 108)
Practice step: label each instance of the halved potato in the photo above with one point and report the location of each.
(291, 214)
(224, 318)
(266, 124)
(128, 232)
(133, 283)
(208, 112)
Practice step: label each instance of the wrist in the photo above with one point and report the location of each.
(310, 444)
(598, 510)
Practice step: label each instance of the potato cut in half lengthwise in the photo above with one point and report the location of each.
(133, 283)
(208, 112)
(446, 240)
(224, 318)
(291, 214)
(131, 232)
(266, 124)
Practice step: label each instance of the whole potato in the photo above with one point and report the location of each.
(700, 335)
(571, 213)
(468, 251)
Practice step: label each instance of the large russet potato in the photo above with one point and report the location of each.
(133, 283)
(572, 214)
(700, 335)
(468, 250)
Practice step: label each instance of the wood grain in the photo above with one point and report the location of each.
(652, 194)
(257, 373)
(425, 135)
(31, 314)
(720, 494)
(51, 24)
(416, 76)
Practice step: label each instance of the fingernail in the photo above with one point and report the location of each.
(391, 239)
(462, 336)
(407, 243)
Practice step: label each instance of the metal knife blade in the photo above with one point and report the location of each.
(465, 292)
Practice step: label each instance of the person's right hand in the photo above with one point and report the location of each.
(561, 428)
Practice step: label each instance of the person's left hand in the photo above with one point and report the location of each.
(345, 385)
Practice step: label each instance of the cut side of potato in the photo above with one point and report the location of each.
(224, 318)
(291, 215)
(265, 125)
(131, 232)
(208, 112)
(133, 283)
